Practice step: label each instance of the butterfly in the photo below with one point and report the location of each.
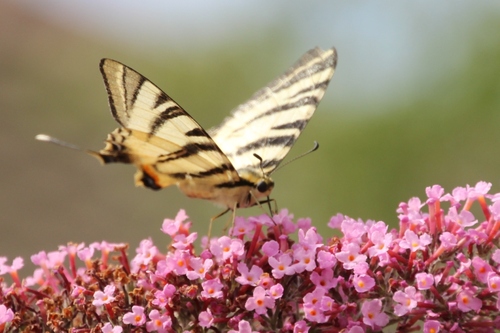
(230, 164)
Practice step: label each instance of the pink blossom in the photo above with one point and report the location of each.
(281, 266)
(225, 248)
(481, 268)
(300, 327)
(372, 315)
(158, 323)
(260, 301)
(326, 259)
(276, 291)
(199, 268)
(493, 282)
(350, 255)
(434, 193)
(270, 248)
(424, 280)
(432, 326)
(310, 239)
(466, 301)
(172, 227)
(206, 318)
(363, 283)
(178, 262)
(6, 314)
(136, 317)
(324, 280)
(182, 242)
(250, 277)
(242, 226)
(305, 259)
(407, 300)
(413, 242)
(162, 297)
(243, 327)
(336, 221)
(212, 289)
(106, 297)
(480, 189)
(284, 219)
(463, 219)
(108, 328)
(353, 230)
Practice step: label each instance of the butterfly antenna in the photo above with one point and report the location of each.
(257, 156)
(50, 139)
(314, 148)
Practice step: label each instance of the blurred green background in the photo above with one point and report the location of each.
(415, 101)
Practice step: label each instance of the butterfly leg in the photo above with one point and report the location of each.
(215, 218)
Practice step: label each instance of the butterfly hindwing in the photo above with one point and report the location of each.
(270, 122)
(166, 144)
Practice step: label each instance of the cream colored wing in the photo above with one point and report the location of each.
(270, 122)
(165, 143)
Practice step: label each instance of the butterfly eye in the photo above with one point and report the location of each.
(262, 186)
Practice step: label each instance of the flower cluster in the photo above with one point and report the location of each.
(438, 272)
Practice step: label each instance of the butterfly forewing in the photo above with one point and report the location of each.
(158, 136)
(270, 122)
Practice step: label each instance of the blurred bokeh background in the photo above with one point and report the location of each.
(415, 101)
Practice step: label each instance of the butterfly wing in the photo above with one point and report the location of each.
(165, 143)
(270, 122)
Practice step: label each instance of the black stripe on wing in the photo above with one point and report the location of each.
(282, 141)
(188, 150)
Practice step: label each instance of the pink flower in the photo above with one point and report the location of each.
(434, 193)
(206, 318)
(300, 327)
(182, 242)
(424, 280)
(270, 248)
(276, 291)
(260, 301)
(225, 248)
(199, 268)
(158, 323)
(172, 227)
(6, 314)
(363, 283)
(494, 282)
(326, 259)
(106, 297)
(136, 317)
(305, 259)
(242, 226)
(108, 328)
(243, 327)
(251, 277)
(466, 301)
(162, 297)
(413, 242)
(324, 280)
(481, 268)
(350, 256)
(353, 230)
(281, 266)
(212, 289)
(407, 300)
(432, 326)
(372, 315)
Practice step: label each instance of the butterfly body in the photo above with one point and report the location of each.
(230, 164)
